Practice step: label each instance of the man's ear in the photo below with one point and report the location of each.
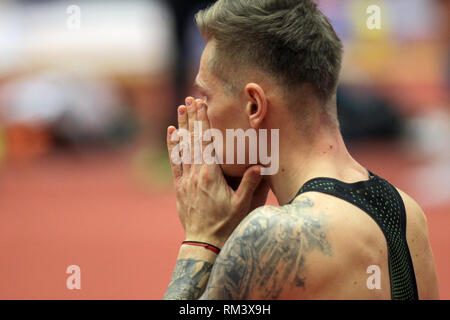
(257, 104)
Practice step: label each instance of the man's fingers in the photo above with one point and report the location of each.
(208, 151)
(183, 118)
(250, 182)
(203, 118)
(202, 115)
(183, 131)
(172, 143)
(192, 118)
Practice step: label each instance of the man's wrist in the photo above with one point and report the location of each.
(191, 274)
(217, 241)
(196, 252)
(205, 245)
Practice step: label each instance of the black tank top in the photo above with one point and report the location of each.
(382, 202)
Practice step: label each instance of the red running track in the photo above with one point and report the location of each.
(91, 212)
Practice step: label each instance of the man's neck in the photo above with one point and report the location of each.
(300, 161)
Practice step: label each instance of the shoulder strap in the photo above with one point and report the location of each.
(382, 202)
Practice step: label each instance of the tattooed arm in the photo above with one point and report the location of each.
(266, 254)
(191, 273)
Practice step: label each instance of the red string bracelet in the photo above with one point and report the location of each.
(204, 245)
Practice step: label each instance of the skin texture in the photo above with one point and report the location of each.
(267, 253)
(234, 110)
(317, 247)
(189, 279)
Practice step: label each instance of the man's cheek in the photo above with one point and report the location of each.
(214, 122)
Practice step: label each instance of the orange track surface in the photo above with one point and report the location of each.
(91, 212)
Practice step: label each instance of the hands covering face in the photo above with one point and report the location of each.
(208, 207)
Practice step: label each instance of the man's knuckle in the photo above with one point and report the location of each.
(193, 179)
(205, 175)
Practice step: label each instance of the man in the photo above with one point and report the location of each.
(274, 64)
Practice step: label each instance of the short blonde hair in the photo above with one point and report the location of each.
(289, 39)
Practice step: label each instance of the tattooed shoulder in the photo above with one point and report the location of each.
(267, 252)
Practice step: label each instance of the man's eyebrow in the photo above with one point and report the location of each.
(200, 85)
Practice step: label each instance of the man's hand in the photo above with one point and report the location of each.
(210, 206)
(209, 209)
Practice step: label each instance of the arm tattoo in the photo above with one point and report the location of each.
(189, 280)
(267, 252)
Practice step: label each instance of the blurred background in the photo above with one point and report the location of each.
(88, 88)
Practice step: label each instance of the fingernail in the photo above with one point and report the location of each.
(181, 111)
(188, 101)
